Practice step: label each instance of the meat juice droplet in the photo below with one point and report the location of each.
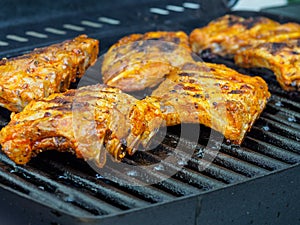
(15, 170)
(98, 176)
(228, 142)
(132, 173)
(69, 199)
(62, 177)
(292, 119)
(41, 187)
(199, 152)
(279, 104)
(182, 162)
(266, 128)
(159, 167)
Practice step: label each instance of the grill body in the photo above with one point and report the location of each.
(256, 183)
(271, 199)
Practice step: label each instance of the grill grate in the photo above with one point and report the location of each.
(68, 186)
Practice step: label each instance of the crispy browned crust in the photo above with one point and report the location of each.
(254, 42)
(94, 120)
(230, 34)
(215, 96)
(138, 61)
(242, 99)
(283, 58)
(88, 122)
(44, 71)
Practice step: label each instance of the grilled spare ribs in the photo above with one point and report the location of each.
(231, 34)
(253, 42)
(90, 120)
(283, 58)
(213, 95)
(85, 121)
(139, 61)
(44, 71)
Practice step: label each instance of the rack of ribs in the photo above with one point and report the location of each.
(139, 61)
(283, 58)
(213, 95)
(94, 120)
(253, 42)
(89, 122)
(44, 71)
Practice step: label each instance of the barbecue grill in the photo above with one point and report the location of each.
(255, 183)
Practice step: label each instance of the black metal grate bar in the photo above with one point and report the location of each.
(273, 107)
(73, 201)
(239, 166)
(215, 171)
(284, 130)
(254, 157)
(275, 139)
(271, 150)
(283, 120)
(285, 102)
(92, 186)
(190, 176)
(165, 183)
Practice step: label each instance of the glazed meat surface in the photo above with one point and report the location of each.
(139, 61)
(283, 58)
(94, 120)
(97, 119)
(44, 71)
(88, 122)
(254, 42)
(189, 91)
(231, 34)
(215, 96)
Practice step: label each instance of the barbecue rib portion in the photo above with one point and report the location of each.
(94, 120)
(44, 71)
(139, 61)
(231, 34)
(87, 121)
(226, 100)
(254, 42)
(215, 96)
(283, 58)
